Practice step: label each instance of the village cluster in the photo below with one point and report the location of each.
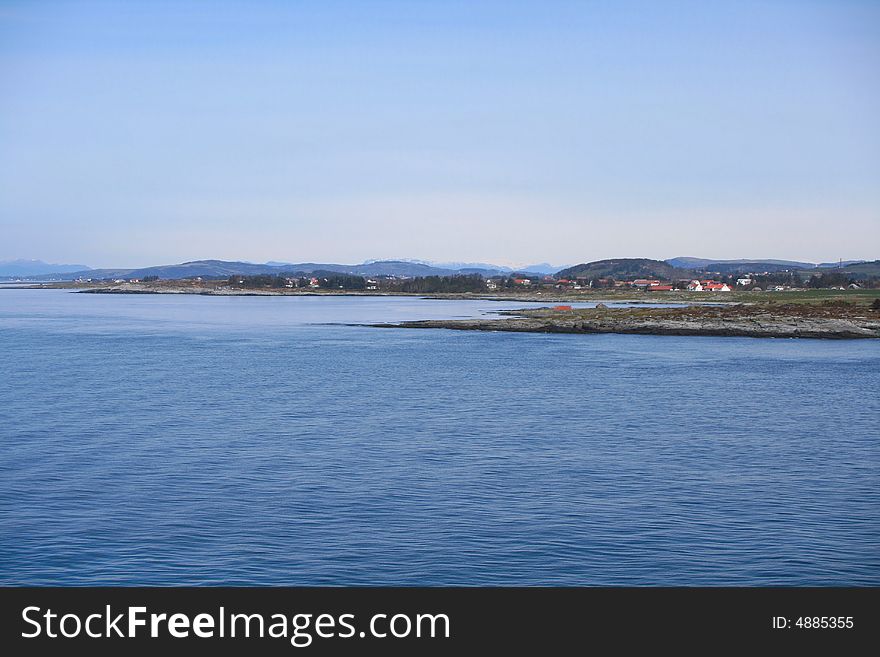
(474, 283)
(644, 284)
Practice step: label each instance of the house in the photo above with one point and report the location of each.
(717, 287)
(659, 288)
(491, 285)
(522, 281)
(643, 282)
(313, 282)
(742, 282)
(372, 285)
(695, 286)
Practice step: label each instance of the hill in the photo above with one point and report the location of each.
(622, 268)
(839, 264)
(738, 266)
(863, 268)
(400, 268)
(751, 266)
(203, 268)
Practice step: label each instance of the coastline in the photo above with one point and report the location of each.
(585, 296)
(788, 321)
(826, 314)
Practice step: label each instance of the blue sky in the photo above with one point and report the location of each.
(142, 133)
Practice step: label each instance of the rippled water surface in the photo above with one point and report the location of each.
(196, 440)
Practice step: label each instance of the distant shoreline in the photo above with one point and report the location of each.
(587, 296)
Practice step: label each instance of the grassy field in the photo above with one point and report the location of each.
(818, 296)
(857, 297)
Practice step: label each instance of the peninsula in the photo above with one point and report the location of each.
(834, 319)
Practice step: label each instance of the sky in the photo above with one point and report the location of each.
(142, 133)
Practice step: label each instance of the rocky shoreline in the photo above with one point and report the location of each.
(794, 321)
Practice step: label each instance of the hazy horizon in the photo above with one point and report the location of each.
(530, 265)
(136, 134)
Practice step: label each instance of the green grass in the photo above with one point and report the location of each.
(858, 297)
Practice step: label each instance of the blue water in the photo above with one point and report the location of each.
(196, 440)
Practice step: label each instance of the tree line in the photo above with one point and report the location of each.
(428, 284)
(276, 281)
(421, 285)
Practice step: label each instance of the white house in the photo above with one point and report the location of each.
(743, 281)
(695, 286)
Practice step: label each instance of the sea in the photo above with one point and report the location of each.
(197, 440)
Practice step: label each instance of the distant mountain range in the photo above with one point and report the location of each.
(18, 268)
(618, 268)
(476, 267)
(224, 269)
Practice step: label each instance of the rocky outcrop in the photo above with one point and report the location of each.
(737, 321)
